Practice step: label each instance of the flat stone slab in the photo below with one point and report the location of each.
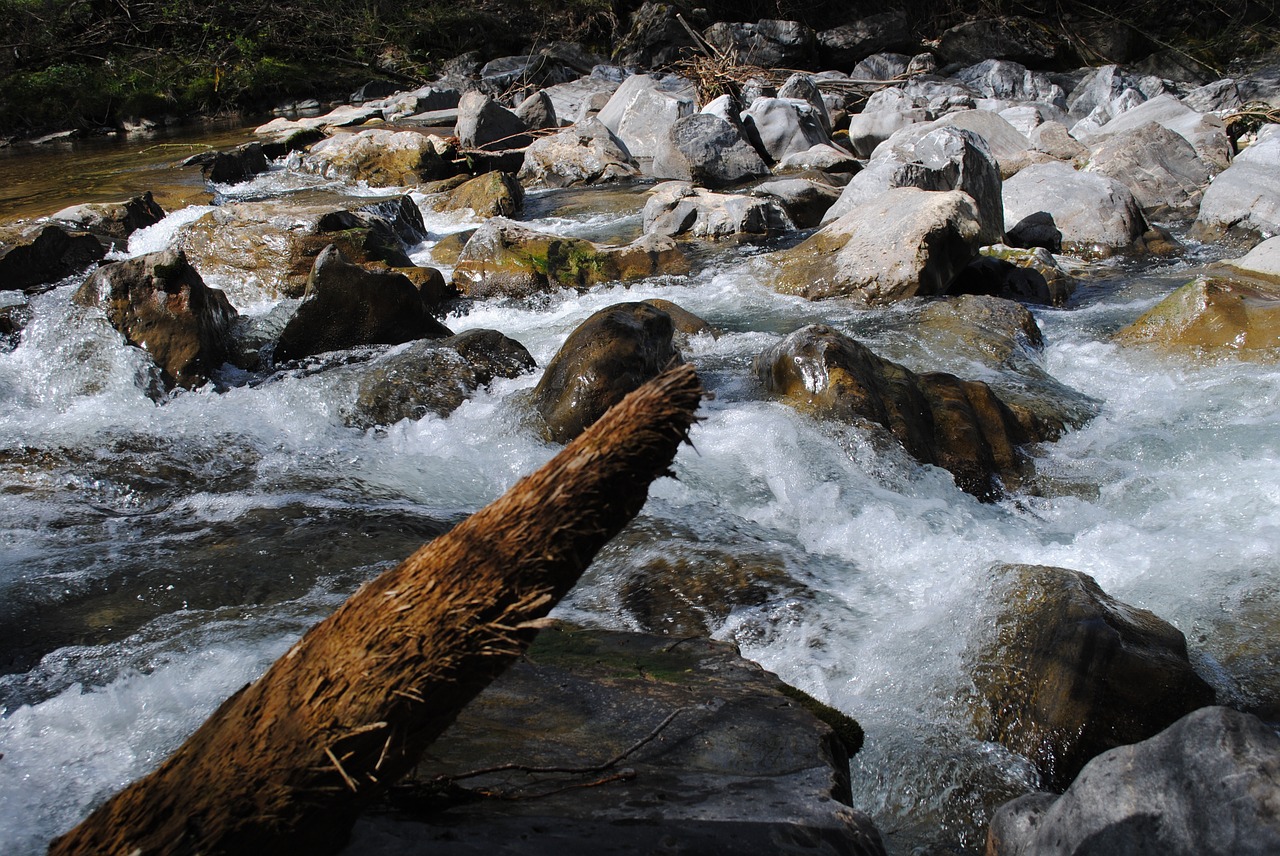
(732, 763)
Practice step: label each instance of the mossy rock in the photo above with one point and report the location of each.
(1214, 317)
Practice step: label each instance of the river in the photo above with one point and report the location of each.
(156, 558)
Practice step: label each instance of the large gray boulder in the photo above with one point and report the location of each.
(767, 43)
(585, 153)
(1159, 166)
(1209, 783)
(677, 208)
(1247, 195)
(904, 242)
(881, 66)
(945, 158)
(805, 88)
(346, 305)
(784, 126)
(644, 107)
(577, 99)
(160, 304)
(1096, 215)
(537, 111)
(868, 129)
(1009, 146)
(655, 38)
(708, 151)
(1108, 91)
(1205, 132)
(806, 200)
(485, 124)
(1011, 81)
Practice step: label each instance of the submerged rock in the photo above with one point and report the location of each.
(34, 257)
(961, 426)
(434, 376)
(1209, 783)
(160, 304)
(1067, 672)
(506, 259)
(746, 762)
(1215, 316)
(346, 305)
(904, 242)
(610, 354)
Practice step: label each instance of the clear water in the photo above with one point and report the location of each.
(156, 558)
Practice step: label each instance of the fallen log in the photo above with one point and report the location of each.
(286, 764)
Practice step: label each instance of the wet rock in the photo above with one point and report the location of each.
(1213, 316)
(676, 208)
(160, 304)
(944, 158)
(1013, 38)
(1160, 167)
(707, 151)
(346, 305)
(434, 376)
(493, 194)
(485, 124)
(905, 242)
(1037, 280)
(644, 107)
(13, 320)
(767, 44)
(655, 38)
(265, 250)
(961, 426)
(746, 762)
(610, 354)
(379, 158)
(233, 166)
(506, 259)
(447, 249)
(841, 47)
(1246, 196)
(537, 111)
(1206, 784)
(1067, 672)
(114, 221)
(35, 257)
(436, 291)
(686, 324)
(585, 153)
(805, 200)
(784, 126)
(1096, 215)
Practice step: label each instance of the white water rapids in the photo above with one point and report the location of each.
(156, 558)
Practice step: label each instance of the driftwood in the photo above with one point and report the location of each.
(287, 763)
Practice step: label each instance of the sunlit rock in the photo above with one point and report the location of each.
(584, 153)
(492, 194)
(113, 220)
(644, 107)
(1213, 316)
(377, 157)
(1097, 215)
(160, 304)
(485, 124)
(607, 356)
(1246, 196)
(707, 151)
(676, 208)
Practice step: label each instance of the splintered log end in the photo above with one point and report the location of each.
(287, 763)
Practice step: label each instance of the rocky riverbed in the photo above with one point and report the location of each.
(990, 465)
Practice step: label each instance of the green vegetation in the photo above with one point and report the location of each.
(90, 63)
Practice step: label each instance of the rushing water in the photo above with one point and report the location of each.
(156, 558)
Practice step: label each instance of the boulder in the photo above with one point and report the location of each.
(160, 304)
(1013, 38)
(346, 306)
(424, 99)
(585, 97)
(485, 124)
(804, 87)
(33, 258)
(1054, 140)
(506, 259)
(1158, 166)
(507, 73)
(945, 158)
(823, 157)
(1206, 784)
(767, 43)
(233, 166)
(1246, 196)
(881, 66)
(1011, 81)
(344, 116)
(676, 208)
(265, 250)
(373, 91)
(805, 200)
(585, 153)
(1009, 146)
(685, 322)
(378, 157)
(1037, 279)
(738, 759)
(841, 47)
(904, 242)
(961, 426)
(644, 107)
(1097, 215)
(1104, 93)
(655, 38)
(1037, 230)
(434, 376)
(607, 356)
(1262, 261)
(868, 129)
(537, 111)
(1213, 316)
(114, 221)
(1206, 133)
(708, 151)
(1220, 96)
(783, 126)
(492, 194)
(1066, 672)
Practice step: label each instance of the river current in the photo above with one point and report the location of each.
(155, 558)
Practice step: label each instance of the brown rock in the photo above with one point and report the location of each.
(34, 257)
(494, 194)
(116, 220)
(1213, 316)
